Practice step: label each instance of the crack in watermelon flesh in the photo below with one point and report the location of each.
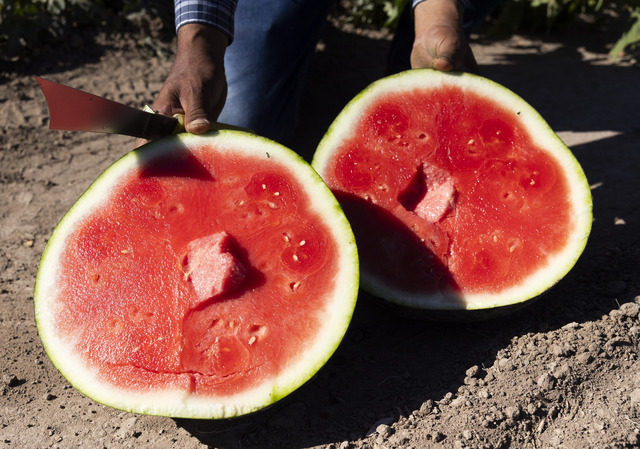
(193, 274)
(446, 192)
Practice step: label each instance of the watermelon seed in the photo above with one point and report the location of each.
(241, 203)
(125, 251)
(264, 187)
(294, 286)
(286, 238)
(276, 194)
(252, 340)
(303, 242)
(471, 142)
(295, 258)
(272, 205)
(96, 278)
(422, 136)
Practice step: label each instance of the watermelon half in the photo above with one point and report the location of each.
(459, 194)
(199, 276)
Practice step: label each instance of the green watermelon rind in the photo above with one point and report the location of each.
(542, 135)
(179, 403)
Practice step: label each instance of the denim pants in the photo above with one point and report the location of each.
(274, 44)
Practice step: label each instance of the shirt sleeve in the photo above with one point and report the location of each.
(216, 13)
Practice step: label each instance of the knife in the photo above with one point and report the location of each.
(75, 110)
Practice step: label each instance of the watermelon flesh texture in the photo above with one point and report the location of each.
(449, 196)
(200, 274)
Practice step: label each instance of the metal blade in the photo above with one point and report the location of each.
(75, 110)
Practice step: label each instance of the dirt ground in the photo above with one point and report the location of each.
(560, 373)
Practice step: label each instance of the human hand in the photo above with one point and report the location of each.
(196, 85)
(439, 40)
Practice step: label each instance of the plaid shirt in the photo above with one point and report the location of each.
(217, 13)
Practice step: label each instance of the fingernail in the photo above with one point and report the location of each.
(201, 123)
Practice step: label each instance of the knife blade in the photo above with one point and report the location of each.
(72, 109)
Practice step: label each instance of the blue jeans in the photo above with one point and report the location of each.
(268, 62)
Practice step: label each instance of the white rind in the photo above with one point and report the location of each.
(542, 135)
(180, 403)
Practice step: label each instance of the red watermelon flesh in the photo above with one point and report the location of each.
(196, 277)
(449, 191)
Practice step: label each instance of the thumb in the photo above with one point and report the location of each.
(196, 120)
(202, 109)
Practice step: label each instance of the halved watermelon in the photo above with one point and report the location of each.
(199, 276)
(460, 195)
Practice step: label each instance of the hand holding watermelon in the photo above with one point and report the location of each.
(439, 39)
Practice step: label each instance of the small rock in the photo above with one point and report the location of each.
(50, 397)
(484, 394)
(562, 371)
(532, 409)
(634, 397)
(467, 434)
(474, 371)
(512, 412)
(546, 381)
(427, 407)
(561, 351)
(630, 309)
(585, 358)
(10, 380)
(384, 430)
(380, 425)
(505, 365)
(460, 401)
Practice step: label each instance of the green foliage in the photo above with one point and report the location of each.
(631, 37)
(540, 15)
(27, 24)
(376, 13)
(545, 15)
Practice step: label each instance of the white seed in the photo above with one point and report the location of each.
(303, 242)
(495, 238)
(471, 142)
(276, 194)
(264, 187)
(272, 205)
(252, 340)
(295, 258)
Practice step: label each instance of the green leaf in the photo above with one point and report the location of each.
(629, 37)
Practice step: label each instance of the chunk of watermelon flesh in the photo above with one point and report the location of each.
(430, 194)
(212, 267)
